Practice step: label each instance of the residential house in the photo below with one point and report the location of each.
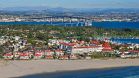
(130, 54)
(38, 54)
(49, 54)
(8, 56)
(24, 56)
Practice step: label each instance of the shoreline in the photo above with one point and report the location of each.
(61, 73)
(19, 68)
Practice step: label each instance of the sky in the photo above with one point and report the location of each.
(72, 3)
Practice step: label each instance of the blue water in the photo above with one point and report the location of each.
(45, 23)
(125, 41)
(132, 25)
(125, 72)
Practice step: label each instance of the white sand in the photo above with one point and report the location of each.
(21, 68)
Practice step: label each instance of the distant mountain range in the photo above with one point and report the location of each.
(45, 9)
(39, 8)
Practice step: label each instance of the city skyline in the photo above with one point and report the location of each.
(71, 3)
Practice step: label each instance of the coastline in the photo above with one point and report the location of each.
(60, 74)
(20, 68)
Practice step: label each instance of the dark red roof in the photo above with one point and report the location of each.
(87, 47)
(38, 54)
(95, 42)
(7, 54)
(24, 54)
(68, 44)
(106, 45)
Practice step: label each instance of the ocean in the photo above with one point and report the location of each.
(122, 72)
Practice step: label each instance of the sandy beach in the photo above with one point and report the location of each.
(21, 67)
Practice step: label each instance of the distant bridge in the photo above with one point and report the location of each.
(84, 21)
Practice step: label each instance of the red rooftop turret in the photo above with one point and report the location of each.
(106, 47)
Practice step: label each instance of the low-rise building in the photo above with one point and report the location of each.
(86, 49)
(24, 56)
(38, 54)
(8, 56)
(130, 54)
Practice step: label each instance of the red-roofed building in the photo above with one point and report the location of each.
(86, 49)
(38, 54)
(64, 57)
(79, 48)
(130, 53)
(17, 55)
(106, 47)
(95, 42)
(24, 56)
(8, 56)
(49, 54)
